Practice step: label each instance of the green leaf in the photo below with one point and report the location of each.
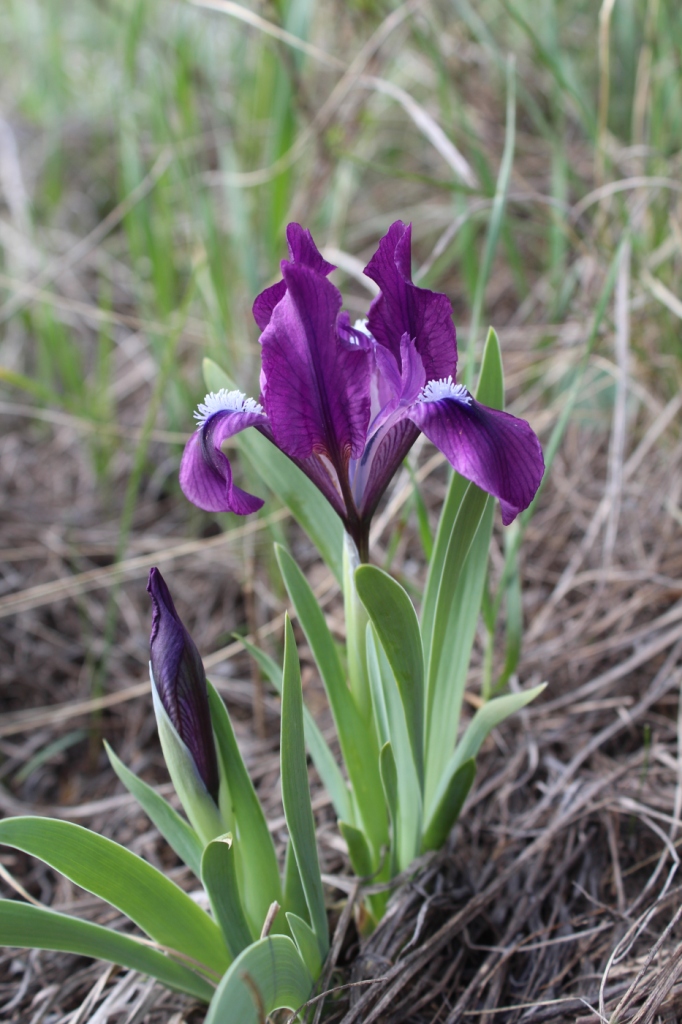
(448, 679)
(318, 748)
(31, 927)
(358, 850)
(392, 726)
(174, 829)
(257, 868)
(296, 791)
(490, 391)
(483, 722)
(395, 620)
(490, 388)
(294, 896)
(307, 504)
(356, 736)
(446, 813)
(361, 859)
(305, 939)
(219, 877)
(389, 780)
(463, 532)
(268, 976)
(495, 222)
(197, 802)
(160, 908)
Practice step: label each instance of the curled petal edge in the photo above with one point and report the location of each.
(205, 471)
(498, 452)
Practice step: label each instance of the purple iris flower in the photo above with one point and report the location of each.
(345, 402)
(180, 680)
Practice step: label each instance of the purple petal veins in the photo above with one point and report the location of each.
(496, 451)
(179, 677)
(346, 401)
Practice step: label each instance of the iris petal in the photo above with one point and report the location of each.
(316, 387)
(205, 472)
(403, 308)
(303, 251)
(498, 452)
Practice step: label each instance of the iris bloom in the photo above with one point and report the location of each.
(346, 402)
(180, 681)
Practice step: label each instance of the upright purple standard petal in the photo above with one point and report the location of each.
(205, 472)
(403, 308)
(181, 682)
(316, 384)
(498, 452)
(303, 251)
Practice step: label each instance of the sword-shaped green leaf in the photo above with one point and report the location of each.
(447, 811)
(318, 748)
(490, 391)
(296, 791)
(492, 714)
(160, 908)
(306, 940)
(356, 735)
(257, 868)
(219, 876)
(395, 620)
(180, 836)
(31, 927)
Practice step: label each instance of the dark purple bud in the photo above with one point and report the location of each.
(181, 681)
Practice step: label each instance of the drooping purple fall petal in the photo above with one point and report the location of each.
(316, 384)
(403, 308)
(205, 472)
(498, 452)
(180, 681)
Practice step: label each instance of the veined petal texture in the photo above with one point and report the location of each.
(403, 308)
(316, 385)
(495, 450)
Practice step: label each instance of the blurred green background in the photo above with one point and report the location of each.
(152, 153)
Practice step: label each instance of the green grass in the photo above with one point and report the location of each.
(155, 114)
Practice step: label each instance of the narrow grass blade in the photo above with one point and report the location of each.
(138, 890)
(296, 791)
(308, 506)
(447, 811)
(268, 976)
(494, 225)
(395, 620)
(358, 741)
(31, 927)
(180, 836)
(257, 868)
(219, 877)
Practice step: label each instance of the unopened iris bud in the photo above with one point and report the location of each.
(179, 680)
